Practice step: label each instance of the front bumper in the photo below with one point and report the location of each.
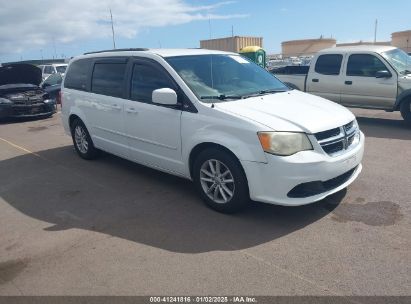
(281, 180)
(28, 111)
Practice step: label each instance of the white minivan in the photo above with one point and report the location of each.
(213, 117)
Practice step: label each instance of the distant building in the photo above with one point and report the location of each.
(402, 40)
(231, 44)
(306, 47)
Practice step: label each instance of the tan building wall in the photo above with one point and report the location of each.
(402, 40)
(306, 47)
(231, 44)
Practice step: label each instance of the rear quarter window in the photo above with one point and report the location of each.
(108, 79)
(329, 64)
(77, 76)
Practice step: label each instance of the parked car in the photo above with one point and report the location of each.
(213, 117)
(50, 69)
(373, 77)
(20, 94)
(52, 85)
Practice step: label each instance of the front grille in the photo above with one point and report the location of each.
(336, 141)
(327, 134)
(334, 147)
(27, 98)
(30, 110)
(349, 126)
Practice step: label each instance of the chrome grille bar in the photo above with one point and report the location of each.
(338, 144)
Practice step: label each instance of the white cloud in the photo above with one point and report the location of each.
(28, 24)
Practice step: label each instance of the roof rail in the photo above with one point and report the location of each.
(118, 50)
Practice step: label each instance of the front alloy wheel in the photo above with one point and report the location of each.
(217, 181)
(220, 180)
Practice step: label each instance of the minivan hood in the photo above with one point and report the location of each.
(291, 111)
(20, 73)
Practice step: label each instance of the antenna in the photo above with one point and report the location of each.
(112, 29)
(375, 31)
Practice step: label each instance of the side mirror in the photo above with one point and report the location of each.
(164, 97)
(383, 74)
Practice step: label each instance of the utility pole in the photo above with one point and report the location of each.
(232, 31)
(375, 31)
(112, 29)
(54, 46)
(209, 26)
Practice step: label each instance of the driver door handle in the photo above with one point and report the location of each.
(132, 111)
(116, 107)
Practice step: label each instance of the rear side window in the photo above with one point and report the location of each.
(61, 69)
(77, 75)
(108, 79)
(48, 69)
(364, 65)
(145, 80)
(329, 64)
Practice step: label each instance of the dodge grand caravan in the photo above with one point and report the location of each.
(213, 117)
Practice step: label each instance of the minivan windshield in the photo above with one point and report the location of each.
(215, 78)
(400, 60)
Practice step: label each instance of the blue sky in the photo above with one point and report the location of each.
(186, 22)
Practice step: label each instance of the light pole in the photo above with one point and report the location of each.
(112, 29)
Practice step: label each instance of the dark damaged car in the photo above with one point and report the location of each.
(20, 93)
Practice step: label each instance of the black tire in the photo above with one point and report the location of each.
(87, 153)
(405, 109)
(239, 187)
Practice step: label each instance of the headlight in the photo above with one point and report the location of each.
(284, 143)
(4, 101)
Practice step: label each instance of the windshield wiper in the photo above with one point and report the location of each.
(264, 92)
(221, 97)
(405, 72)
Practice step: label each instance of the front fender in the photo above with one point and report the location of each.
(243, 143)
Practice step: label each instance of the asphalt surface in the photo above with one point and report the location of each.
(111, 227)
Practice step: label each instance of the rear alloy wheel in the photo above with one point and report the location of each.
(82, 140)
(406, 110)
(220, 180)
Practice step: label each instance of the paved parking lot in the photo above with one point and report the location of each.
(111, 227)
